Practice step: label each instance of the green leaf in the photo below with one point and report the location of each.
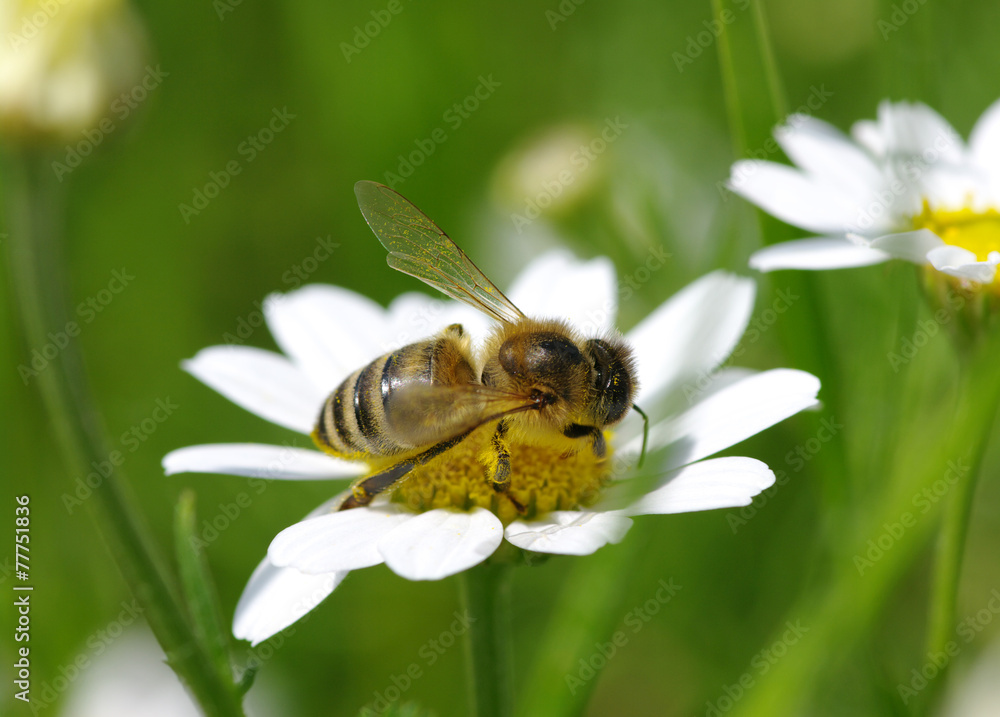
(198, 589)
(247, 678)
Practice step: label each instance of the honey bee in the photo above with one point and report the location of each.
(537, 380)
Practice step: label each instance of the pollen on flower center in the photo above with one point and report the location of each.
(543, 479)
(977, 231)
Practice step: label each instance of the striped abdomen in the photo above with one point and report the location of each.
(360, 416)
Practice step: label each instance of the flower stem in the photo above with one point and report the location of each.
(586, 611)
(775, 88)
(485, 595)
(727, 68)
(840, 614)
(33, 217)
(948, 554)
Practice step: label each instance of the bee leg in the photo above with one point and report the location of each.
(496, 458)
(518, 505)
(365, 490)
(595, 434)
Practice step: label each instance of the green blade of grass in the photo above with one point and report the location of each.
(198, 588)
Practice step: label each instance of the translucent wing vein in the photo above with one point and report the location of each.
(418, 247)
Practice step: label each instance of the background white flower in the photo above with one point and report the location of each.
(906, 186)
(327, 332)
(126, 676)
(976, 692)
(62, 64)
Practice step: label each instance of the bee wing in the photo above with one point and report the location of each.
(423, 414)
(439, 417)
(418, 247)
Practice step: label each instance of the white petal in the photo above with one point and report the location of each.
(568, 532)
(557, 285)
(274, 598)
(912, 246)
(868, 135)
(259, 461)
(725, 378)
(734, 414)
(262, 382)
(824, 151)
(984, 142)
(127, 676)
(439, 543)
(975, 691)
(415, 316)
(715, 483)
(345, 540)
(692, 332)
(718, 381)
(796, 198)
(956, 261)
(815, 253)
(328, 331)
(954, 186)
(695, 391)
(915, 129)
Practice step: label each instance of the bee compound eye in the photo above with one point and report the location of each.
(613, 381)
(602, 363)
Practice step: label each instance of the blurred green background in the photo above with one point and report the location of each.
(653, 65)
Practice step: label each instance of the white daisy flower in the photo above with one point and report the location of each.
(903, 186)
(444, 517)
(975, 692)
(124, 674)
(64, 64)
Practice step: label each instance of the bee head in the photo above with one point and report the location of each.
(612, 379)
(588, 382)
(545, 362)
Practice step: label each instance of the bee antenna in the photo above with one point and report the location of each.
(645, 433)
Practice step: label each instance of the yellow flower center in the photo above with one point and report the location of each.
(976, 231)
(543, 479)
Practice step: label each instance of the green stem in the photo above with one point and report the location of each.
(948, 566)
(948, 555)
(734, 110)
(774, 85)
(485, 595)
(838, 616)
(38, 279)
(815, 352)
(585, 613)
